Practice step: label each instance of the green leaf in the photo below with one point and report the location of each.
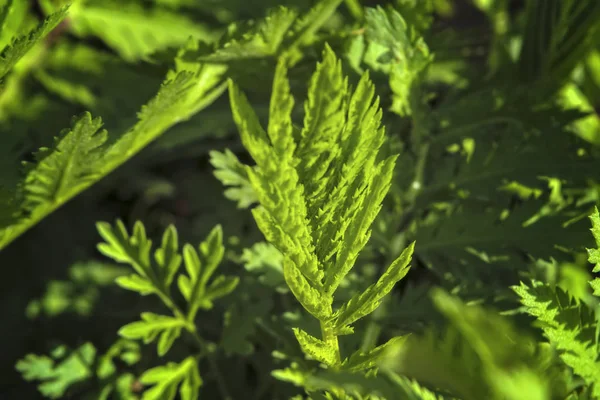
(167, 256)
(135, 250)
(166, 328)
(594, 254)
(569, 325)
(480, 245)
(357, 385)
(121, 247)
(282, 31)
(478, 355)
(307, 26)
(253, 136)
(365, 303)
(21, 45)
(123, 350)
(70, 166)
(360, 361)
(178, 98)
(511, 140)
(136, 283)
(230, 171)
(407, 53)
(12, 15)
(166, 379)
(189, 88)
(79, 294)
(135, 31)
(266, 261)
(58, 373)
(200, 266)
(221, 286)
(318, 304)
(291, 235)
(319, 187)
(263, 40)
(315, 348)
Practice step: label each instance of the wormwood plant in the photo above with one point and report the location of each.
(320, 188)
(481, 184)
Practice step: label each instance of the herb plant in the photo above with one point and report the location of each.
(418, 227)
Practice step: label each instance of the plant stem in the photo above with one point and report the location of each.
(205, 347)
(331, 339)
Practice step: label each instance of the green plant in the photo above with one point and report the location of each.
(457, 140)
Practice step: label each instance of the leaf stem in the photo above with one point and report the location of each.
(331, 339)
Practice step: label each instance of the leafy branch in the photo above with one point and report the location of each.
(319, 190)
(81, 156)
(198, 287)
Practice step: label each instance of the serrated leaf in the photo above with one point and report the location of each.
(166, 328)
(315, 348)
(308, 24)
(263, 40)
(280, 128)
(211, 253)
(479, 354)
(595, 284)
(21, 45)
(188, 89)
(594, 254)
(407, 54)
(315, 302)
(365, 303)
(569, 325)
(72, 164)
(319, 187)
(360, 360)
(166, 379)
(12, 16)
(253, 136)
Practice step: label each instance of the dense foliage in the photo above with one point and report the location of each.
(312, 199)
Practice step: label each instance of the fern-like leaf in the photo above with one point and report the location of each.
(166, 380)
(59, 371)
(569, 314)
(230, 171)
(70, 166)
(22, 44)
(319, 190)
(569, 325)
(405, 54)
(365, 303)
(166, 328)
(189, 88)
(200, 265)
(12, 15)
